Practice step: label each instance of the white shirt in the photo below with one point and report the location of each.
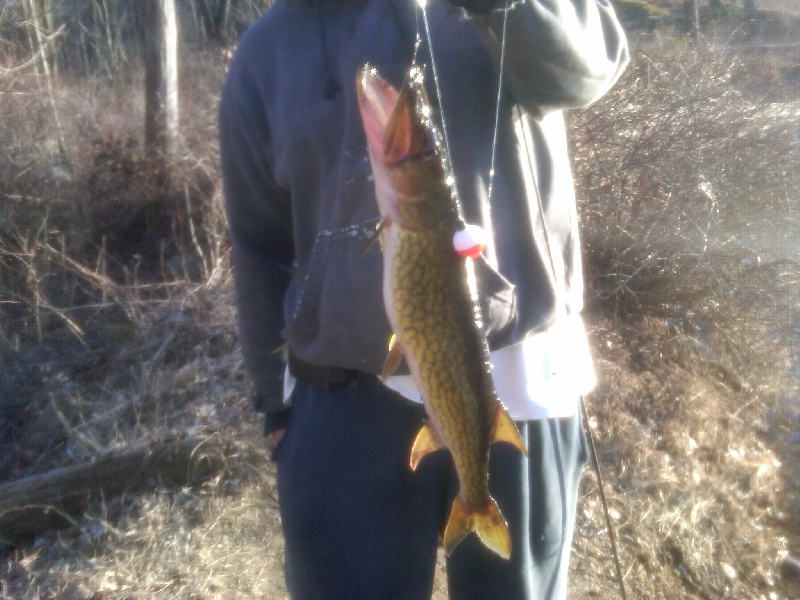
(542, 377)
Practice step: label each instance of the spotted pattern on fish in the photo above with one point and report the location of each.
(436, 319)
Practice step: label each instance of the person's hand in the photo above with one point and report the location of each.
(275, 437)
(481, 7)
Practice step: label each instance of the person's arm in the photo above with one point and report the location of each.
(559, 53)
(259, 221)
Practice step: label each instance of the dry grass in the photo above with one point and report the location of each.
(696, 484)
(115, 334)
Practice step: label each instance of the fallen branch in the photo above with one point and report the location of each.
(31, 506)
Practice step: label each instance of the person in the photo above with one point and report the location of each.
(358, 523)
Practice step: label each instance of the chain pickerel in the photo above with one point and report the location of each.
(431, 301)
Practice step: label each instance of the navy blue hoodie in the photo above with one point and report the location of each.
(298, 189)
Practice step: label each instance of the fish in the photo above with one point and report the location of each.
(431, 301)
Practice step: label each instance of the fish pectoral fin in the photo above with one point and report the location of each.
(504, 430)
(487, 522)
(383, 224)
(427, 441)
(393, 359)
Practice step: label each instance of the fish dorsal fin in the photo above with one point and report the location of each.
(504, 430)
(427, 441)
(376, 237)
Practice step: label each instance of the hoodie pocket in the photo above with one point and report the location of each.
(339, 318)
(498, 302)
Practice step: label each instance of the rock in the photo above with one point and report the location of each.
(728, 570)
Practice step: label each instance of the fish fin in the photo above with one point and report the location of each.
(427, 441)
(487, 522)
(504, 430)
(393, 359)
(375, 236)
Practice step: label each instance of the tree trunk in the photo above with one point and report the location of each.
(213, 15)
(751, 16)
(31, 506)
(691, 13)
(717, 8)
(161, 77)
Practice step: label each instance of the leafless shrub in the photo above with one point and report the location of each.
(688, 208)
(105, 36)
(687, 191)
(108, 268)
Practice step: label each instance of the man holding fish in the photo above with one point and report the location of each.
(385, 371)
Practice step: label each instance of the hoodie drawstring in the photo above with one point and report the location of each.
(331, 85)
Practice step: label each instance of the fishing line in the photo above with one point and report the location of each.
(497, 104)
(422, 4)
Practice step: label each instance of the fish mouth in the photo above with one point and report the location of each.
(393, 129)
(399, 146)
(377, 99)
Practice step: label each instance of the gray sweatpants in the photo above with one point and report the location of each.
(359, 524)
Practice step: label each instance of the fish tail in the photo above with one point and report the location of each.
(487, 522)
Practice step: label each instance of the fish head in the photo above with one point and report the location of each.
(411, 185)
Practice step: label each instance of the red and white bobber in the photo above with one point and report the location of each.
(470, 241)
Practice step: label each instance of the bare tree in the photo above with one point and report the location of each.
(161, 77)
(691, 24)
(750, 15)
(213, 15)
